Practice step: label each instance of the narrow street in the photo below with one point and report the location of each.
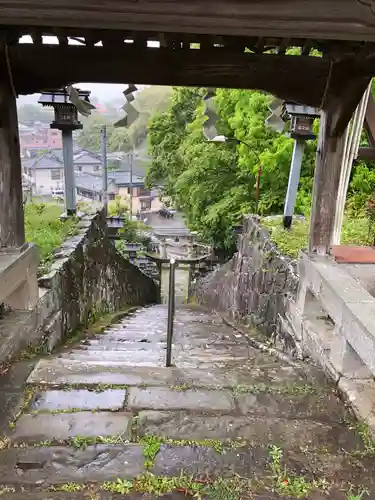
(106, 411)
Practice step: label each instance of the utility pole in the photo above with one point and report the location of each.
(131, 185)
(103, 147)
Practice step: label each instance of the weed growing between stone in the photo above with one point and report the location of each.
(27, 397)
(158, 486)
(288, 389)
(81, 442)
(122, 486)
(366, 436)
(68, 487)
(6, 489)
(287, 483)
(180, 388)
(351, 495)
(364, 433)
(151, 447)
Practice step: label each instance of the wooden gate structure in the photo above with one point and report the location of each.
(211, 43)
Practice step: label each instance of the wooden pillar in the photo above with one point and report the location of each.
(326, 185)
(345, 89)
(12, 230)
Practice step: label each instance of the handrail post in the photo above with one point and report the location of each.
(171, 311)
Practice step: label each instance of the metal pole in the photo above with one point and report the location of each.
(171, 309)
(294, 175)
(69, 175)
(131, 185)
(103, 147)
(257, 189)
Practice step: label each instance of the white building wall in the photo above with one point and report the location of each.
(44, 184)
(87, 168)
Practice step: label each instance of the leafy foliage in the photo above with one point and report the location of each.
(30, 113)
(355, 231)
(44, 228)
(214, 184)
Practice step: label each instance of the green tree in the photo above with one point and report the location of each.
(30, 113)
(214, 184)
(89, 137)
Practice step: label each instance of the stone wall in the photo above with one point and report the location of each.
(88, 278)
(258, 287)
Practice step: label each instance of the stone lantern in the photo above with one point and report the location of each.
(301, 129)
(66, 120)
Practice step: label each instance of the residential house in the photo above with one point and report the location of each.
(90, 187)
(37, 138)
(45, 173)
(144, 200)
(87, 162)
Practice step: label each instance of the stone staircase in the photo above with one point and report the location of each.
(105, 417)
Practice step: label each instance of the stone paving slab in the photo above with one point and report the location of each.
(111, 399)
(61, 426)
(288, 433)
(60, 371)
(59, 465)
(323, 406)
(247, 462)
(161, 398)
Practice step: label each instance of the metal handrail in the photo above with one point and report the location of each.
(173, 263)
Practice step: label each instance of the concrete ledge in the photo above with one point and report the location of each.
(351, 308)
(18, 278)
(337, 323)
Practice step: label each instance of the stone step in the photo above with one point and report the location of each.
(320, 407)
(47, 466)
(63, 426)
(134, 337)
(133, 357)
(55, 371)
(154, 357)
(104, 345)
(259, 431)
(63, 400)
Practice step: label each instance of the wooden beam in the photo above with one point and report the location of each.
(12, 231)
(322, 19)
(302, 79)
(366, 154)
(346, 85)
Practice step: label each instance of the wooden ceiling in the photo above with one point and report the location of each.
(324, 19)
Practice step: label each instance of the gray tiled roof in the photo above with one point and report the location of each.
(93, 183)
(44, 162)
(123, 179)
(87, 157)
